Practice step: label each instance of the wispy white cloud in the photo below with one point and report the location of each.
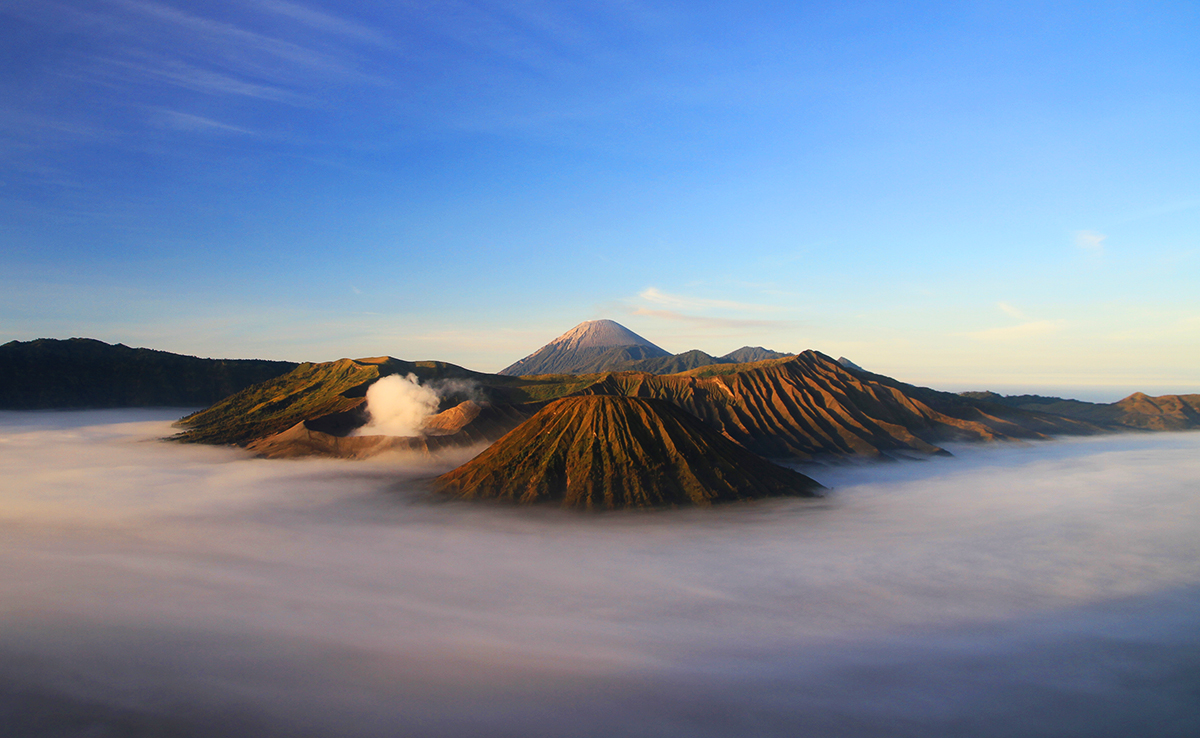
(188, 122)
(233, 40)
(683, 302)
(1031, 329)
(1090, 242)
(181, 74)
(325, 22)
(714, 322)
(1010, 310)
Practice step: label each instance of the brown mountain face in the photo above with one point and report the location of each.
(603, 452)
(810, 405)
(795, 407)
(329, 398)
(1138, 411)
(466, 424)
(1168, 412)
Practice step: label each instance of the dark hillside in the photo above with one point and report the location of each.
(85, 373)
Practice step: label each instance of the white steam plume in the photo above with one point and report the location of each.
(398, 406)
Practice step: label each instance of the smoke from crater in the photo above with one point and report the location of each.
(398, 406)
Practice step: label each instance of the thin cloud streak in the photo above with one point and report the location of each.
(1010, 310)
(188, 122)
(182, 74)
(1090, 242)
(700, 320)
(682, 302)
(234, 40)
(324, 22)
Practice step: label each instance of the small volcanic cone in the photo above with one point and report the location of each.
(605, 452)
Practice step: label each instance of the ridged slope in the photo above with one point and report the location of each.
(809, 405)
(605, 452)
(591, 346)
(1166, 412)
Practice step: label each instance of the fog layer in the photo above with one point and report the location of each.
(152, 588)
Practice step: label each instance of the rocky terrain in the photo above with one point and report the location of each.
(634, 436)
(603, 452)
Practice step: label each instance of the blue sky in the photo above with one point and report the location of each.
(968, 195)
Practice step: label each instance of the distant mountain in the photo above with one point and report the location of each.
(1139, 410)
(86, 373)
(591, 346)
(695, 359)
(603, 345)
(671, 364)
(849, 364)
(747, 354)
(608, 453)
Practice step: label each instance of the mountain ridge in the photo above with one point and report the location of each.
(1137, 411)
(605, 345)
(607, 452)
(49, 373)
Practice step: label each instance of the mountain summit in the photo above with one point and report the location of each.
(591, 346)
(600, 334)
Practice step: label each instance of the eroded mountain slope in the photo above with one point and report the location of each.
(605, 452)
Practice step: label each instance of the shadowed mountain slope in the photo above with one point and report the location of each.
(673, 364)
(85, 373)
(747, 354)
(610, 453)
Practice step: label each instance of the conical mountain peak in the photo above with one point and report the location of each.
(600, 334)
(591, 346)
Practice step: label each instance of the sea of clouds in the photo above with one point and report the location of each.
(153, 588)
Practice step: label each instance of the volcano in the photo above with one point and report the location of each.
(591, 346)
(605, 452)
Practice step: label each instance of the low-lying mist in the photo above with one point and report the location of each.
(163, 589)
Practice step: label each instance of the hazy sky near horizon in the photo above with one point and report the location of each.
(986, 195)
